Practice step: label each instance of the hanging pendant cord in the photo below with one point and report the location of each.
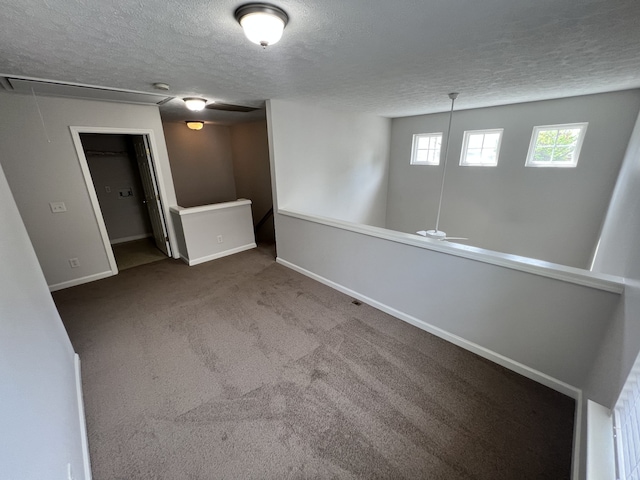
(44, 128)
(453, 97)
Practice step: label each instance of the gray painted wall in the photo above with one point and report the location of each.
(548, 325)
(201, 163)
(330, 163)
(124, 217)
(619, 254)
(549, 214)
(42, 166)
(618, 251)
(250, 148)
(39, 418)
(201, 226)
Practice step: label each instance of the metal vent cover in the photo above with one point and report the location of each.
(227, 107)
(88, 92)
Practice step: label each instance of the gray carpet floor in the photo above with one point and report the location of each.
(243, 369)
(136, 253)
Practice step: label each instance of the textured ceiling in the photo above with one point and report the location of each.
(387, 58)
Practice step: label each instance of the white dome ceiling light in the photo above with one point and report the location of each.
(195, 104)
(262, 23)
(195, 124)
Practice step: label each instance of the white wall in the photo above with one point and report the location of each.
(42, 170)
(126, 218)
(213, 231)
(549, 214)
(333, 164)
(201, 163)
(619, 253)
(250, 147)
(39, 419)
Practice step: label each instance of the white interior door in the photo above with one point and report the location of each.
(151, 193)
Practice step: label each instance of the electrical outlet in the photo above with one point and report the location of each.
(219, 238)
(107, 189)
(58, 207)
(74, 262)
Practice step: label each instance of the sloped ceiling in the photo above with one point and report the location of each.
(386, 58)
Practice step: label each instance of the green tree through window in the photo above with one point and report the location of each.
(556, 145)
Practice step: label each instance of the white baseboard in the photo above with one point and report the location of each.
(506, 362)
(81, 280)
(196, 261)
(83, 423)
(116, 241)
(577, 439)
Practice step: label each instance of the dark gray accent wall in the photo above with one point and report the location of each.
(114, 172)
(250, 147)
(201, 163)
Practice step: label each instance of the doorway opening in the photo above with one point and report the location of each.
(122, 182)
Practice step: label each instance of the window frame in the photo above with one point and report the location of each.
(465, 147)
(618, 443)
(530, 162)
(622, 427)
(414, 149)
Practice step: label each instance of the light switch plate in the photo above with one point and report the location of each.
(58, 207)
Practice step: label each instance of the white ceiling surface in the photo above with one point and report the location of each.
(381, 57)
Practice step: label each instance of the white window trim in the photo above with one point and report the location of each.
(630, 387)
(600, 452)
(465, 144)
(414, 148)
(576, 153)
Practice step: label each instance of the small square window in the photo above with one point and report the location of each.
(556, 145)
(481, 148)
(426, 149)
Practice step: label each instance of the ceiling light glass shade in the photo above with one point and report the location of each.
(195, 125)
(195, 104)
(262, 24)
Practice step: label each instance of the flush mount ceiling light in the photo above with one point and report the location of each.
(262, 23)
(194, 125)
(195, 104)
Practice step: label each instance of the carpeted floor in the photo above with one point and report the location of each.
(136, 253)
(243, 369)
